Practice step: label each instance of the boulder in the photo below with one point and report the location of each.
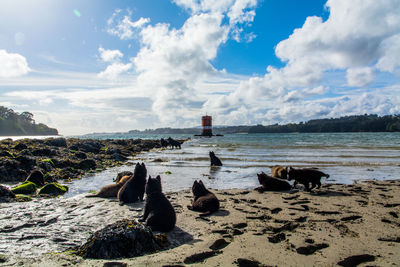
(123, 239)
(54, 189)
(58, 142)
(26, 188)
(36, 177)
(5, 193)
(87, 164)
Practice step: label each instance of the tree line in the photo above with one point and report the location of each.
(356, 123)
(19, 124)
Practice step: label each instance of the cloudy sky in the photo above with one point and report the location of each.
(110, 66)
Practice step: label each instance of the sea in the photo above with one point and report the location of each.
(347, 157)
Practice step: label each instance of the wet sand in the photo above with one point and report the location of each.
(325, 228)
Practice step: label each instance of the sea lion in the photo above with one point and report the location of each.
(158, 212)
(306, 176)
(133, 189)
(111, 190)
(279, 172)
(269, 183)
(215, 161)
(204, 200)
(122, 174)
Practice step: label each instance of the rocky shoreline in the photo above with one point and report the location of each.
(338, 224)
(65, 158)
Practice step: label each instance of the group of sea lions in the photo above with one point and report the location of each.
(279, 176)
(160, 215)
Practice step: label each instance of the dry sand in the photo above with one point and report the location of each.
(271, 228)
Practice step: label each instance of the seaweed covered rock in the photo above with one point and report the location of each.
(26, 188)
(87, 164)
(54, 189)
(123, 239)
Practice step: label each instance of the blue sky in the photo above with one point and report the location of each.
(108, 66)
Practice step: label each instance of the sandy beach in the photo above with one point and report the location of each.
(324, 228)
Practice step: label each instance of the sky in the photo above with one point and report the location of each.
(114, 66)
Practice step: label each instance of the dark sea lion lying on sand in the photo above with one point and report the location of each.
(133, 189)
(214, 159)
(111, 190)
(306, 176)
(204, 200)
(279, 172)
(158, 212)
(269, 183)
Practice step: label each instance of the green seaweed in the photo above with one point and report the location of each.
(168, 172)
(49, 161)
(26, 188)
(54, 189)
(23, 198)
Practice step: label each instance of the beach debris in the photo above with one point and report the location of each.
(311, 249)
(123, 239)
(356, 260)
(241, 262)
(200, 257)
(219, 244)
(277, 238)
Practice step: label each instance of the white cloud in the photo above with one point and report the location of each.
(359, 76)
(12, 65)
(360, 37)
(110, 55)
(114, 70)
(124, 28)
(116, 67)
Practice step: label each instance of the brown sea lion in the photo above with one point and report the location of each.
(204, 200)
(279, 172)
(122, 174)
(111, 190)
(215, 161)
(158, 212)
(133, 189)
(269, 183)
(306, 176)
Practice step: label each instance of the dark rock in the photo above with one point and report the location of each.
(87, 164)
(36, 177)
(240, 225)
(277, 238)
(393, 214)
(47, 152)
(219, 244)
(276, 210)
(20, 146)
(123, 239)
(80, 155)
(310, 249)
(119, 157)
(200, 257)
(309, 241)
(356, 260)
(6, 194)
(350, 218)
(237, 232)
(10, 170)
(58, 142)
(26, 162)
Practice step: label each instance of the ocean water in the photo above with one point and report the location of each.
(346, 157)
